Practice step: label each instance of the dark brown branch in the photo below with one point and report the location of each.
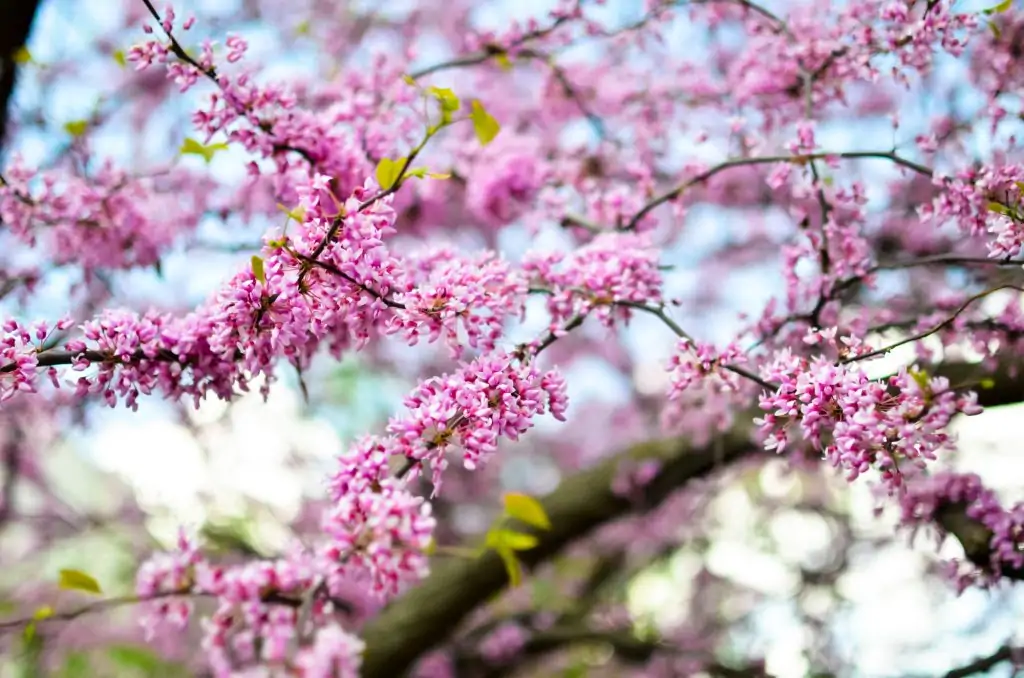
(1003, 654)
(428, 614)
(768, 160)
(16, 19)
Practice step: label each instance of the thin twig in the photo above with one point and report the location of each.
(927, 333)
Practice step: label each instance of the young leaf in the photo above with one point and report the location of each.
(192, 147)
(388, 172)
(448, 100)
(503, 61)
(527, 509)
(1000, 8)
(518, 541)
(512, 566)
(23, 56)
(43, 612)
(408, 80)
(297, 213)
(423, 172)
(76, 128)
(76, 580)
(999, 208)
(119, 58)
(257, 269)
(484, 124)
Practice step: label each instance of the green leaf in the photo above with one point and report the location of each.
(192, 147)
(484, 124)
(512, 566)
(76, 580)
(996, 33)
(29, 633)
(389, 172)
(999, 208)
(119, 57)
(987, 384)
(527, 509)
(519, 541)
(297, 213)
(503, 61)
(302, 28)
(76, 665)
(257, 269)
(423, 172)
(140, 659)
(23, 56)
(1000, 8)
(408, 80)
(921, 377)
(515, 541)
(448, 100)
(76, 128)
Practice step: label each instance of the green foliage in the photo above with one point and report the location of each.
(141, 661)
(257, 269)
(23, 56)
(29, 634)
(484, 124)
(1000, 8)
(76, 580)
(526, 509)
(389, 172)
(76, 128)
(506, 543)
(206, 151)
(76, 665)
(297, 213)
(448, 101)
(119, 58)
(1000, 208)
(423, 173)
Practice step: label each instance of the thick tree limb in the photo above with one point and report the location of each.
(1003, 654)
(428, 614)
(16, 18)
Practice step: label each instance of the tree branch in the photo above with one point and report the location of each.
(1003, 654)
(428, 614)
(15, 26)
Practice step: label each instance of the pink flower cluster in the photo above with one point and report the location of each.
(926, 498)
(251, 322)
(108, 221)
(506, 175)
(602, 277)
(856, 422)
(496, 395)
(983, 202)
(19, 346)
(347, 124)
(447, 292)
(503, 643)
(259, 609)
(380, 528)
(695, 362)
